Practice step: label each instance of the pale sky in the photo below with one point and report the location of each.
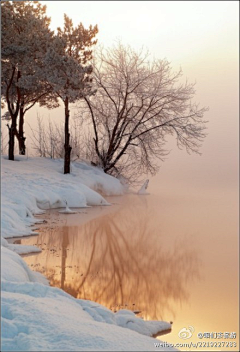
(178, 30)
(200, 36)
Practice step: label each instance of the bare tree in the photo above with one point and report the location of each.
(48, 139)
(4, 142)
(138, 104)
(43, 139)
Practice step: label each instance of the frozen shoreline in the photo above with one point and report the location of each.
(36, 316)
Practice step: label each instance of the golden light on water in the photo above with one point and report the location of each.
(173, 257)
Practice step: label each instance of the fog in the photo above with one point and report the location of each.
(200, 37)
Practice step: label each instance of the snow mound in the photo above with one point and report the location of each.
(30, 186)
(56, 323)
(143, 189)
(125, 318)
(128, 319)
(14, 268)
(36, 317)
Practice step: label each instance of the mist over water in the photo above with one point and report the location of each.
(122, 259)
(173, 255)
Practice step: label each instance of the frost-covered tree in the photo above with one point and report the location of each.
(78, 40)
(68, 70)
(25, 39)
(41, 93)
(138, 104)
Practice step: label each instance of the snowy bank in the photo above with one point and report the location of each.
(31, 185)
(35, 316)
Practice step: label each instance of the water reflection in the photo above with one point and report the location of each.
(121, 260)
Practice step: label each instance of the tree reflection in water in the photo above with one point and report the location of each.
(121, 261)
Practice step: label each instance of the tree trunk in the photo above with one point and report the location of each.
(20, 136)
(12, 131)
(67, 147)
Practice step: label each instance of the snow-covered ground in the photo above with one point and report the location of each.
(35, 316)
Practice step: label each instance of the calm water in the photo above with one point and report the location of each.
(171, 255)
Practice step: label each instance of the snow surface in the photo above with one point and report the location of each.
(35, 316)
(143, 189)
(31, 185)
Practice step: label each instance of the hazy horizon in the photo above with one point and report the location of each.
(200, 37)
